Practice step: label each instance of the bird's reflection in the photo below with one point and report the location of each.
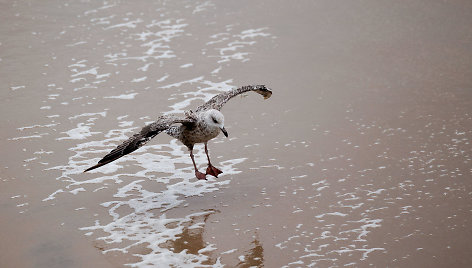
(192, 240)
(253, 257)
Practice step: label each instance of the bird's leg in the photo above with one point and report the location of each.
(198, 174)
(211, 170)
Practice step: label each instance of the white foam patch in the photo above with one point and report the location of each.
(37, 126)
(145, 67)
(137, 80)
(53, 195)
(203, 7)
(123, 96)
(186, 65)
(81, 132)
(28, 137)
(76, 44)
(233, 44)
(129, 24)
(17, 87)
(103, 114)
(91, 71)
(190, 81)
(163, 78)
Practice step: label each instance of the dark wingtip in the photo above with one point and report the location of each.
(96, 166)
(90, 168)
(264, 91)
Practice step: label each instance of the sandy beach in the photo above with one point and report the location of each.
(361, 158)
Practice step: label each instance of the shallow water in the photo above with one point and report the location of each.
(361, 157)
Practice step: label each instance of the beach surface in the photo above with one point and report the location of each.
(361, 158)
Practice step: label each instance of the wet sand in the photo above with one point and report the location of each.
(362, 156)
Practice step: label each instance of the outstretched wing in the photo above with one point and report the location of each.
(219, 100)
(139, 139)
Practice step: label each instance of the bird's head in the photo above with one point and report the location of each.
(215, 118)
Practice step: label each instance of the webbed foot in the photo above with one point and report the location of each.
(199, 175)
(211, 170)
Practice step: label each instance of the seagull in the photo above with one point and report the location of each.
(195, 127)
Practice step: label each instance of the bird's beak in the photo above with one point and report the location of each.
(224, 132)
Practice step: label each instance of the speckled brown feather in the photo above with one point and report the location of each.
(219, 100)
(139, 139)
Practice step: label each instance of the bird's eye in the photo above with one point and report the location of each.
(214, 120)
